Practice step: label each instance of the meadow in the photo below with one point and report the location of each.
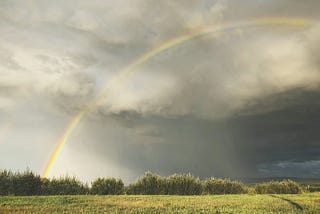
(243, 203)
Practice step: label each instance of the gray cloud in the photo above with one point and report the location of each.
(243, 145)
(281, 169)
(212, 79)
(242, 102)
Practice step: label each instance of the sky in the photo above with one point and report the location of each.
(242, 102)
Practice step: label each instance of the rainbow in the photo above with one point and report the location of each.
(124, 74)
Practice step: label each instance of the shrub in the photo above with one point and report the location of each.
(223, 186)
(153, 184)
(107, 186)
(149, 184)
(312, 188)
(5, 182)
(63, 186)
(19, 183)
(25, 183)
(278, 187)
(184, 184)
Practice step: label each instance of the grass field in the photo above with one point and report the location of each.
(302, 203)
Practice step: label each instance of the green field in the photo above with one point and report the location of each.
(301, 203)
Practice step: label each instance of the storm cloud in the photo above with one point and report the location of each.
(237, 103)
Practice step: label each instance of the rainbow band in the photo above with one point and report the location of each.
(123, 75)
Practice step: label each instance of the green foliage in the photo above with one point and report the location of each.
(313, 188)
(107, 186)
(244, 203)
(25, 183)
(278, 187)
(184, 184)
(5, 182)
(149, 184)
(310, 185)
(223, 186)
(63, 186)
(153, 184)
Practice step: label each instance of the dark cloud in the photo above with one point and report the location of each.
(240, 102)
(305, 169)
(242, 145)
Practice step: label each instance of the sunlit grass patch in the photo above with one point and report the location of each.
(244, 203)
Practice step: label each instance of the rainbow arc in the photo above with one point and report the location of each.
(132, 68)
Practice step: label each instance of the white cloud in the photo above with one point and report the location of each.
(56, 55)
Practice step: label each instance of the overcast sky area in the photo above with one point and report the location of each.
(238, 103)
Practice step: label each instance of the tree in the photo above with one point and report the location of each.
(107, 186)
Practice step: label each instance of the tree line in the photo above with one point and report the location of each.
(29, 183)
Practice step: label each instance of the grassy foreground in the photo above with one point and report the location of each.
(301, 203)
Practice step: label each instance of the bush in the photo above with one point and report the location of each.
(25, 183)
(153, 184)
(313, 188)
(278, 187)
(149, 184)
(184, 184)
(63, 186)
(5, 182)
(107, 186)
(223, 186)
